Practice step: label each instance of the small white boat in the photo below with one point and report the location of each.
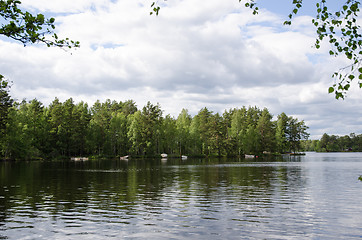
(79, 158)
(249, 156)
(124, 157)
(164, 155)
(183, 157)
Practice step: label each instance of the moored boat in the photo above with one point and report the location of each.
(79, 158)
(124, 157)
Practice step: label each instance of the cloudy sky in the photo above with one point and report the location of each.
(195, 54)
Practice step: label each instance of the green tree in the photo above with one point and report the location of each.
(80, 123)
(282, 144)
(252, 116)
(65, 130)
(16, 143)
(238, 128)
(251, 136)
(183, 123)
(5, 104)
(95, 138)
(333, 144)
(152, 120)
(251, 140)
(69, 129)
(68, 124)
(27, 131)
(136, 133)
(200, 130)
(324, 142)
(266, 130)
(99, 135)
(118, 129)
(55, 114)
(37, 127)
(218, 134)
(345, 143)
(297, 131)
(169, 136)
(145, 130)
(310, 145)
(230, 142)
(129, 107)
(356, 142)
(196, 143)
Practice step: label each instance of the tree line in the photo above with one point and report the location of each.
(111, 128)
(334, 143)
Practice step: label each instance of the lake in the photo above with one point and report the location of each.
(316, 196)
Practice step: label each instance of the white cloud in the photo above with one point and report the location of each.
(66, 6)
(194, 54)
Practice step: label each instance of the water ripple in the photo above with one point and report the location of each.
(297, 200)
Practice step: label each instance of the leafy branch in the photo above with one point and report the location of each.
(155, 8)
(342, 31)
(28, 28)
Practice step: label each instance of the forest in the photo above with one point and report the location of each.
(112, 129)
(334, 143)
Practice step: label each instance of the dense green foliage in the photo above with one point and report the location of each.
(339, 28)
(333, 143)
(5, 104)
(65, 129)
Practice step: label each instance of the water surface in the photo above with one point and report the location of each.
(317, 196)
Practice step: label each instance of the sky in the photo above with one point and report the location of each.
(195, 54)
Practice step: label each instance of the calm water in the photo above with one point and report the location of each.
(317, 196)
